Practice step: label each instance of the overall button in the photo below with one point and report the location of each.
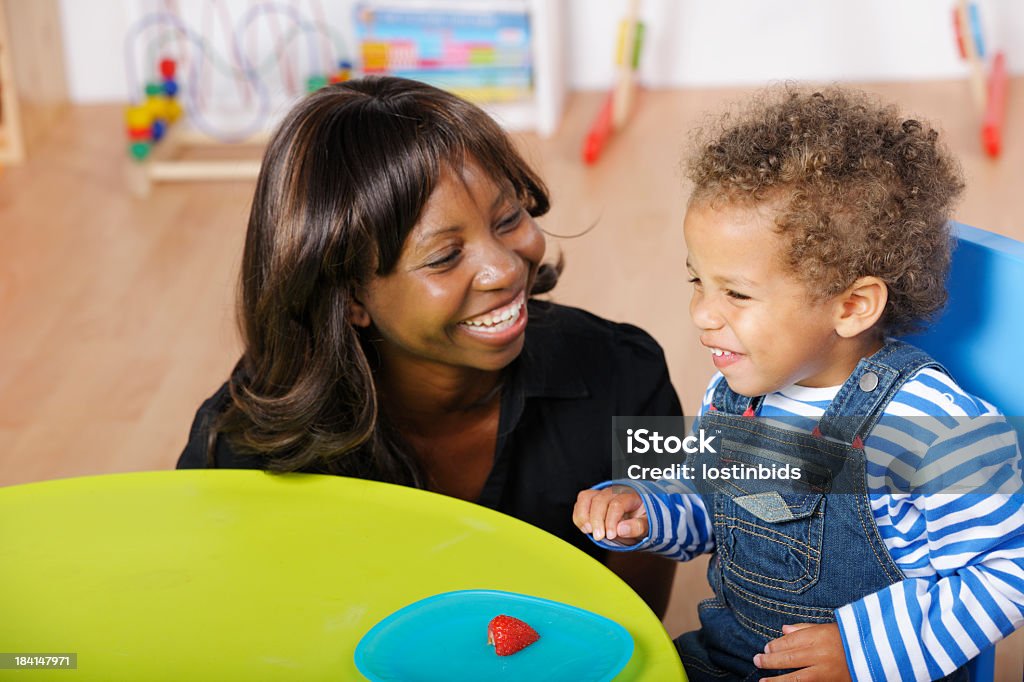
(868, 382)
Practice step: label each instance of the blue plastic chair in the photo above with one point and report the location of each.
(978, 336)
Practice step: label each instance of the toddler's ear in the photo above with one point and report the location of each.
(860, 307)
(357, 313)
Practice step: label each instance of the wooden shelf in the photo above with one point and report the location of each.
(11, 148)
(33, 89)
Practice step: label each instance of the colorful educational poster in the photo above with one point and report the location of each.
(482, 55)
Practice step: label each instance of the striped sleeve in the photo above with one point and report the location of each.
(680, 527)
(963, 555)
(923, 629)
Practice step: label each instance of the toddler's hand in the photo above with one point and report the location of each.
(616, 512)
(815, 650)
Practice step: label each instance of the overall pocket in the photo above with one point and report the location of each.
(771, 540)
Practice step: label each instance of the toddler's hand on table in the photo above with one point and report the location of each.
(615, 513)
(816, 651)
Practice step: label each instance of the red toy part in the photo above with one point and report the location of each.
(959, 33)
(599, 132)
(137, 134)
(167, 67)
(995, 109)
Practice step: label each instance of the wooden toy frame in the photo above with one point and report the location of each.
(168, 160)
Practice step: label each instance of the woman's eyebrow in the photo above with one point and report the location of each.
(430, 235)
(504, 195)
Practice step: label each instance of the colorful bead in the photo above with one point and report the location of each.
(139, 150)
(167, 68)
(157, 105)
(173, 111)
(140, 134)
(158, 130)
(138, 116)
(314, 83)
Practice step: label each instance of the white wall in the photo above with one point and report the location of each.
(727, 42)
(94, 32)
(689, 42)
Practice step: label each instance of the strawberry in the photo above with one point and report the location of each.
(509, 635)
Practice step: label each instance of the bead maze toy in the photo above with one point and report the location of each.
(989, 96)
(155, 142)
(173, 130)
(617, 105)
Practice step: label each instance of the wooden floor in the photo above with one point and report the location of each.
(116, 313)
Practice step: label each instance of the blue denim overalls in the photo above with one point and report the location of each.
(792, 553)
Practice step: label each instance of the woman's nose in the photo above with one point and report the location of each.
(499, 267)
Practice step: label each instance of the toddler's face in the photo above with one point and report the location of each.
(764, 329)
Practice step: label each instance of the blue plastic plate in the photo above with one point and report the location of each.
(444, 637)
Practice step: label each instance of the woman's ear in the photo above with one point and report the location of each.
(860, 307)
(357, 313)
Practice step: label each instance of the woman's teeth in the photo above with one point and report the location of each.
(497, 321)
(719, 352)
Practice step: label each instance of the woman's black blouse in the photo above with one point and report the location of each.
(575, 373)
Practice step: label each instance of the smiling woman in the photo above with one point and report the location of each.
(388, 327)
(457, 294)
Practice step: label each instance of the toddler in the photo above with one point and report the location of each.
(817, 231)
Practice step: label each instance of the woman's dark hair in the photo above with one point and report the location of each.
(343, 182)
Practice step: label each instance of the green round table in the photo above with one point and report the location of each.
(229, 575)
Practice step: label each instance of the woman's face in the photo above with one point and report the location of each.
(457, 295)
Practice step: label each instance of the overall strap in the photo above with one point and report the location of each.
(727, 401)
(860, 402)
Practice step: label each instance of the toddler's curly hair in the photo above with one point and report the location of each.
(857, 190)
